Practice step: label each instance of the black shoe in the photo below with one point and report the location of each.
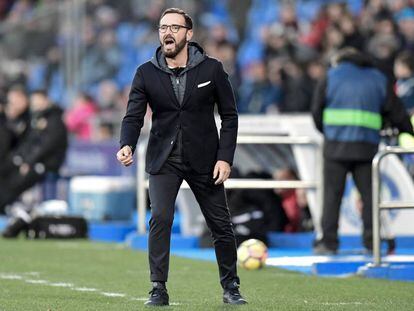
(158, 295)
(232, 296)
(322, 249)
(14, 227)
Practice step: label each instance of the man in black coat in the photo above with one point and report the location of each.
(15, 124)
(42, 150)
(5, 135)
(182, 85)
(18, 115)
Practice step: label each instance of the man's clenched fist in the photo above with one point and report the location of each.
(124, 155)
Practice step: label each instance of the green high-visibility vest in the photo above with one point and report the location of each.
(352, 117)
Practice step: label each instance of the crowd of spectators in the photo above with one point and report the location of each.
(274, 51)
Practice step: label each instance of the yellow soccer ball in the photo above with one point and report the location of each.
(252, 254)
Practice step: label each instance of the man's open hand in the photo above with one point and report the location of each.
(222, 170)
(124, 155)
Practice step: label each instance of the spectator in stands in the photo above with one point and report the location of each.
(105, 132)
(102, 59)
(5, 135)
(14, 123)
(227, 54)
(333, 40)
(384, 48)
(351, 131)
(52, 69)
(315, 70)
(313, 38)
(274, 76)
(80, 118)
(296, 88)
(294, 203)
(277, 43)
(405, 19)
(108, 97)
(17, 114)
(352, 35)
(373, 9)
(404, 73)
(42, 151)
(257, 95)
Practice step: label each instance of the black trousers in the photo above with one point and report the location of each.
(163, 189)
(334, 174)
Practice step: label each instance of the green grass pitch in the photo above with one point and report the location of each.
(82, 275)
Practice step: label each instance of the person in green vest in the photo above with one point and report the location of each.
(349, 108)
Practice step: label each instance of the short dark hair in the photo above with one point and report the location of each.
(407, 59)
(18, 88)
(353, 55)
(187, 18)
(41, 92)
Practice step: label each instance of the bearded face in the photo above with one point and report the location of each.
(171, 47)
(172, 43)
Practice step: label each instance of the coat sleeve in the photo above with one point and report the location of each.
(318, 104)
(395, 113)
(136, 109)
(227, 110)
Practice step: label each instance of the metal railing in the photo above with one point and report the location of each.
(377, 205)
(142, 181)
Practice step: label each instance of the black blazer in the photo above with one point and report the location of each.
(207, 84)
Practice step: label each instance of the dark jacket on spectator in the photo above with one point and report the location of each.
(5, 139)
(18, 129)
(47, 141)
(43, 150)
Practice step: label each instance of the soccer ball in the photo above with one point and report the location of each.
(252, 254)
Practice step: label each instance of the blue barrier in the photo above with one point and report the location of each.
(393, 271)
(110, 231)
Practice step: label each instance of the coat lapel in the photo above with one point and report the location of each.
(189, 86)
(166, 83)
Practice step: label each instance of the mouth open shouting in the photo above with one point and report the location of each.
(171, 47)
(169, 43)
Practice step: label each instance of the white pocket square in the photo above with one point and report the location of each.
(203, 84)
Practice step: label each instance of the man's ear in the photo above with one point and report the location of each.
(189, 35)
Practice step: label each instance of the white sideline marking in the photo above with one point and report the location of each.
(341, 303)
(36, 281)
(85, 289)
(175, 303)
(139, 299)
(11, 277)
(34, 273)
(8, 276)
(61, 284)
(113, 294)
